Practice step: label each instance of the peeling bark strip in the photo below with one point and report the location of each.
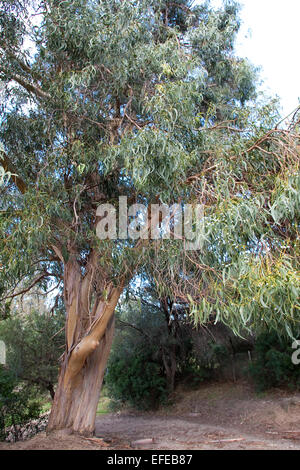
(91, 342)
(89, 337)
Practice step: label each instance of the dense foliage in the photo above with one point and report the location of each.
(18, 403)
(143, 353)
(246, 273)
(273, 366)
(34, 343)
(156, 347)
(136, 380)
(79, 126)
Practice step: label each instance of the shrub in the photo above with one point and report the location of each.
(136, 380)
(17, 402)
(34, 343)
(272, 365)
(197, 370)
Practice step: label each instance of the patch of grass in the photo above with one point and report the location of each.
(103, 406)
(46, 407)
(104, 403)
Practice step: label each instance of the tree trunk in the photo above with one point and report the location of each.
(89, 334)
(51, 390)
(75, 406)
(170, 367)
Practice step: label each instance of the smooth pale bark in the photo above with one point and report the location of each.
(89, 334)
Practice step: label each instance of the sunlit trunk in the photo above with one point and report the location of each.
(75, 405)
(89, 335)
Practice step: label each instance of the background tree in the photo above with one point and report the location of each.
(136, 373)
(34, 344)
(105, 99)
(18, 402)
(158, 326)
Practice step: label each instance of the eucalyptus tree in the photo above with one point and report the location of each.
(102, 99)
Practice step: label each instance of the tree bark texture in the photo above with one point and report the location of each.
(89, 334)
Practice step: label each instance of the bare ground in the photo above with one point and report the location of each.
(216, 416)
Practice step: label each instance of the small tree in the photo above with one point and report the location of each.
(34, 343)
(17, 402)
(144, 329)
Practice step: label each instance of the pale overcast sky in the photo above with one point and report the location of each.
(270, 38)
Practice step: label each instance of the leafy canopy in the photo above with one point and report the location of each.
(146, 99)
(104, 99)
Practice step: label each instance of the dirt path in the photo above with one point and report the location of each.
(216, 416)
(185, 433)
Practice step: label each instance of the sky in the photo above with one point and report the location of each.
(270, 38)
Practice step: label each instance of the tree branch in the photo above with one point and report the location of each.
(8, 166)
(129, 325)
(27, 289)
(36, 90)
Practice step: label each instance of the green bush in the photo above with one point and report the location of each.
(272, 365)
(196, 371)
(136, 380)
(34, 343)
(18, 404)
